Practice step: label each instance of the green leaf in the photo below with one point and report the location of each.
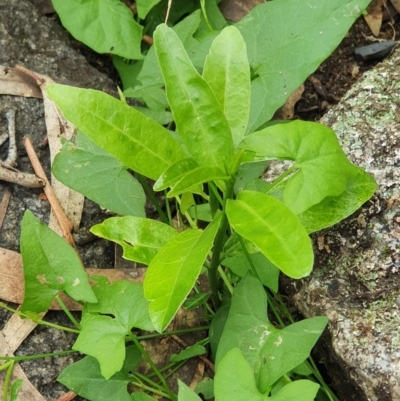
(201, 212)
(140, 238)
(189, 352)
(198, 117)
(299, 390)
(140, 396)
(186, 394)
(134, 139)
(333, 209)
(151, 83)
(192, 179)
(270, 352)
(322, 168)
(121, 306)
(15, 388)
(106, 26)
(84, 378)
(128, 71)
(234, 379)
(144, 6)
(50, 265)
(227, 72)
(196, 300)
(205, 387)
(267, 272)
(160, 116)
(248, 173)
(274, 229)
(174, 270)
(90, 170)
(286, 42)
(217, 325)
(175, 173)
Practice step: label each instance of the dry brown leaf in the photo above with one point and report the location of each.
(58, 127)
(235, 10)
(14, 82)
(396, 5)
(286, 112)
(27, 391)
(12, 279)
(374, 16)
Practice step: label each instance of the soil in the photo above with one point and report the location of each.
(323, 90)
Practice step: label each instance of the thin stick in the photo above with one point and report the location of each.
(62, 219)
(20, 178)
(168, 10)
(4, 205)
(67, 396)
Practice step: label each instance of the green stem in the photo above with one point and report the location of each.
(68, 313)
(170, 333)
(38, 320)
(38, 356)
(153, 199)
(281, 177)
(249, 259)
(147, 380)
(214, 192)
(152, 390)
(171, 395)
(7, 381)
(225, 279)
(218, 246)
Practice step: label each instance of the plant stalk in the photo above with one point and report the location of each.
(218, 246)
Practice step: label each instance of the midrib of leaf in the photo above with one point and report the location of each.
(285, 247)
(180, 269)
(126, 135)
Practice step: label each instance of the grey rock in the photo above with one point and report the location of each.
(356, 279)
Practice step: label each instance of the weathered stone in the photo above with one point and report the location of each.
(356, 280)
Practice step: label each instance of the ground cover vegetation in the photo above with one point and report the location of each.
(204, 139)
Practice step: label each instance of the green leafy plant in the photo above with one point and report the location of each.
(235, 227)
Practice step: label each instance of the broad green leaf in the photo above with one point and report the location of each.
(128, 71)
(149, 86)
(247, 173)
(233, 247)
(270, 352)
(160, 116)
(121, 306)
(144, 6)
(175, 173)
(90, 170)
(189, 352)
(274, 229)
(234, 379)
(50, 265)
(198, 117)
(227, 72)
(186, 394)
(206, 388)
(84, 378)
(286, 41)
(333, 209)
(201, 212)
(196, 177)
(174, 270)
(299, 390)
(267, 272)
(134, 139)
(140, 238)
(322, 168)
(106, 26)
